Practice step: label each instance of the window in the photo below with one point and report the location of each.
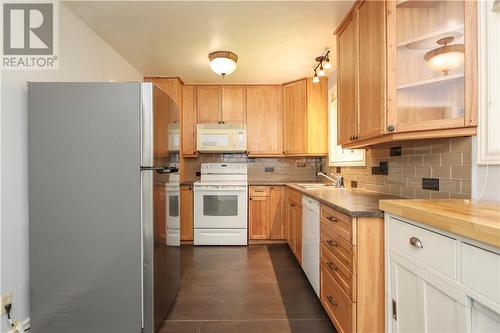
(337, 156)
(489, 81)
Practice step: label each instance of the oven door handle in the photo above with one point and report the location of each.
(218, 189)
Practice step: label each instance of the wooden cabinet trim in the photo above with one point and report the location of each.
(471, 63)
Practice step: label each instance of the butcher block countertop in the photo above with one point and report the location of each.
(476, 220)
(352, 202)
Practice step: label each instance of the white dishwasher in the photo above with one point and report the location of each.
(310, 241)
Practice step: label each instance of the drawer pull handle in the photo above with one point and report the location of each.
(331, 219)
(332, 243)
(332, 266)
(331, 301)
(416, 242)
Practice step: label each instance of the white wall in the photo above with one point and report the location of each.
(83, 56)
(487, 177)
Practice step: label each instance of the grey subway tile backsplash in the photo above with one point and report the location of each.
(448, 160)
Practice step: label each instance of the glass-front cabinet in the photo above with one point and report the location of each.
(431, 64)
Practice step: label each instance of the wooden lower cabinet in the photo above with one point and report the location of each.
(293, 213)
(352, 271)
(337, 304)
(265, 213)
(187, 211)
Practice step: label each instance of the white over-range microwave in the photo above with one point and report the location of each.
(219, 138)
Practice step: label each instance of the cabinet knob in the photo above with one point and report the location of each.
(332, 242)
(331, 218)
(391, 128)
(332, 266)
(416, 242)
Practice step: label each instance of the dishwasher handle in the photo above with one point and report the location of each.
(310, 204)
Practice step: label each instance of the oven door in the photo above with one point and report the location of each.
(220, 206)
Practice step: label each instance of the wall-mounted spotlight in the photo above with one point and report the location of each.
(323, 63)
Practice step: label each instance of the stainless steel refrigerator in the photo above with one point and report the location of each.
(100, 161)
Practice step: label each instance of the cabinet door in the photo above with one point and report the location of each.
(173, 88)
(423, 96)
(209, 104)
(484, 320)
(317, 117)
(420, 306)
(371, 45)
(186, 213)
(188, 141)
(295, 117)
(259, 212)
(234, 104)
(277, 225)
(347, 81)
(264, 123)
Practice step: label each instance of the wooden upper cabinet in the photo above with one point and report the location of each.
(305, 118)
(317, 117)
(264, 122)
(347, 80)
(173, 88)
(295, 117)
(233, 104)
(209, 104)
(188, 121)
(372, 72)
(425, 98)
(387, 88)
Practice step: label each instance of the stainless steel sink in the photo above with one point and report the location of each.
(309, 186)
(312, 186)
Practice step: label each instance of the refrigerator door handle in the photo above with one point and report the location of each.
(161, 169)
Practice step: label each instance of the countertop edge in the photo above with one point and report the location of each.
(376, 213)
(461, 227)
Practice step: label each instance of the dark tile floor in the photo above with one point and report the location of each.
(250, 289)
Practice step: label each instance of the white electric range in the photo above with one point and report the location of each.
(220, 204)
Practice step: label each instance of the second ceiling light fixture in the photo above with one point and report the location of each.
(323, 64)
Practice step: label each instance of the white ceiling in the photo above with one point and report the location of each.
(276, 41)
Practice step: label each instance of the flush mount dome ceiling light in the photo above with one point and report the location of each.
(445, 58)
(223, 62)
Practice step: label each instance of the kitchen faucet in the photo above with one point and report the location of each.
(338, 181)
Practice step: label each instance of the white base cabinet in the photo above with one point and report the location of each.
(425, 294)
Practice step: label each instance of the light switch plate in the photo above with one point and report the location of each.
(6, 299)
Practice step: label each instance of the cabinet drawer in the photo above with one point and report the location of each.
(259, 191)
(339, 247)
(337, 304)
(436, 250)
(342, 224)
(481, 271)
(294, 196)
(339, 272)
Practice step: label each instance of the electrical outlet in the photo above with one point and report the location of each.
(6, 299)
